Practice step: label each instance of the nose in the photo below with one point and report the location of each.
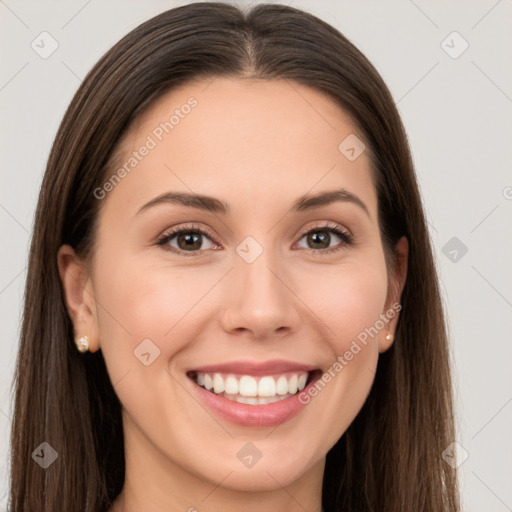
(260, 301)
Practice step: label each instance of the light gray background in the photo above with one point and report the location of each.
(457, 112)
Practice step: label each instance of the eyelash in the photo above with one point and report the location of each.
(345, 236)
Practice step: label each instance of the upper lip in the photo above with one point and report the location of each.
(247, 367)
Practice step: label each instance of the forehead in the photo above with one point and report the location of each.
(267, 140)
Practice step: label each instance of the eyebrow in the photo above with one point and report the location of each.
(217, 206)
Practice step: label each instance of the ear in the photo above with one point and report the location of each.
(79, 295)
(396, 285)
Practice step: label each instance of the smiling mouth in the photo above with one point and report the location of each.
(254, 390)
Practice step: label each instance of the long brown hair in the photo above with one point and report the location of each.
(389, 459)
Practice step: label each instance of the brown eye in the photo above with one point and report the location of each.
(186, 240)
(320, 238)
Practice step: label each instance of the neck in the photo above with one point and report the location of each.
(154, 483)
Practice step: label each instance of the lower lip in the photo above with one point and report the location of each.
(264, 415)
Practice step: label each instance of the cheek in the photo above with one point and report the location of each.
(349, 302)
(348, 299)
(144, 300)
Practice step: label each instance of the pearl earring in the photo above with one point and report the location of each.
(390, 337)
(83, 344)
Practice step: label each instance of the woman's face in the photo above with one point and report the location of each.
(256, 294)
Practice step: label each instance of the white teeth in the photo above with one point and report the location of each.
(251, 390)
(302, 381)
(248, 386)
(231, 385)
(292, 384)
(218, 383)
(267, 387)
(260, 400)
(264, 400)
(208, 382)
(282, 385)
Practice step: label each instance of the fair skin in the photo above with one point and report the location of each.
(257, 145)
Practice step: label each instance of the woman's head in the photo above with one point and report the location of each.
(309, 250)
(254, 287)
